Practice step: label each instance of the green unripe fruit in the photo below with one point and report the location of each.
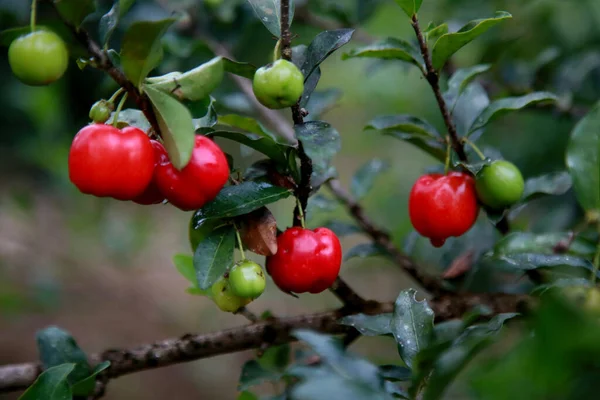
(100, 111)
(499, 185)
(278, 85)
(586, 298)
(224, 297)
(247, 279)
(38, 58)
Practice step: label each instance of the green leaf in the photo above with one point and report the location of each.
(130, 117)
(565, 263)
(141, 50)
(57, 347)
(342, 228)
(475, 167)
(51, 385)
(412, 130)
(364, 179)
(460, 80)
(214, 256)
(176, 126)
(109, 21)
(388, 49)
(243, 69)
(321, 143)
(320, 102)
(254, 374)
(86, 387)
(74, 11)
(583, 159)
(193, 85)
(555, 183)
(365, 250)
(410, 7)
(322, 46)
(269, 13)
(247, 396)
(248, 124)
(241, 199)
(263, 144)
(394, 373)
(209, 119)
(412, 325)
(503, 106)
(185, 265)
(433, 32)
(543, 243)
(275, 358)
(200, 228)
(369, 325)
(450, 43)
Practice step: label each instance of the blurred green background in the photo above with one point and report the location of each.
(102, 269)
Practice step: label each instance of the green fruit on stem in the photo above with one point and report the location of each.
(247, 279)
(278, 85)
(100, 111)
(224, 297)
(499, 185)
(38, 58)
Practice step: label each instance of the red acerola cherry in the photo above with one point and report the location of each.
(200, 181)
(441, 206)
(306, 261)
(152, 195)
(108, 162)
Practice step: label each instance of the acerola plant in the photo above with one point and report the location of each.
(306, 260)
(152, 194)
(247, 279)
(442, 206)
(224, 297)
(499, 184)
(108, 162)
(100, 111)
(278, 85)
(38, 58)
(201, 179)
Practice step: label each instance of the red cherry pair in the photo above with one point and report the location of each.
(125, 164)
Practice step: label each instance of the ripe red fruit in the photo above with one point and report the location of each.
(441, 206)
(200, 181)
(306, 261)
(108, 162)
(152, 195)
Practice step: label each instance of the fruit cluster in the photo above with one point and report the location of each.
(125, 164)
(442, 206)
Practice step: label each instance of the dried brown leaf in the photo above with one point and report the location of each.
(259, 232)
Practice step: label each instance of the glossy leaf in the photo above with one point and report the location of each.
(131, 117)
(410, 7)
(214, 256)
(412, 325)
(365, 250)
(269, 13)
(51, 385)
(369, 325)
(342, 228)
(254, 374)
(241, 199)
(109, 21)
(388, 49)
(141, 50)
(57, 347)
(394, 373)
(500, 107)
(74, 11)
(320, 102)
(468, 107)
(364, 179)
(460, 80)
(543, 243)
(86, 387)
(176, 126)
(475, 167)
(555, 183)
(193, 85)
(243, 69)
(433, 32)
(263, 144)
(583, 159)
(200, 228)
(450, 43)
(534, 261)
(321, 143)
(250, 125)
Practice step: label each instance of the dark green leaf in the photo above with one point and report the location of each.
(141, 50)
(51, 385)
(503, 106)
(554, 184)
(200, 228)
(75, 11)
(460, 80)
(369, 325)
(241, 199)
(275, 358)
(320, 102)
(247, 396)
(176, 126)
(475, 167)
(86, 387)
(193, 85)
(450, 43)
(243, 69)
(543, 243)
(364, 179)
(320, 203)
(57, 347)
(433, 32)
(410, 7)
(394, 373)
(250, 125)
(131, 117)
(8, 35)
(109, 21)
(214, 256)
(533, 261)
(264, 144)
(583, 160)
(269, 13)
(342, 228)
(365, 250)
(468, 107)
(210, 117)
(321, 143)
(388, 49)
(412, 325)
(254, 374)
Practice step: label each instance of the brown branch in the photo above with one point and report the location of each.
(193, 347)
